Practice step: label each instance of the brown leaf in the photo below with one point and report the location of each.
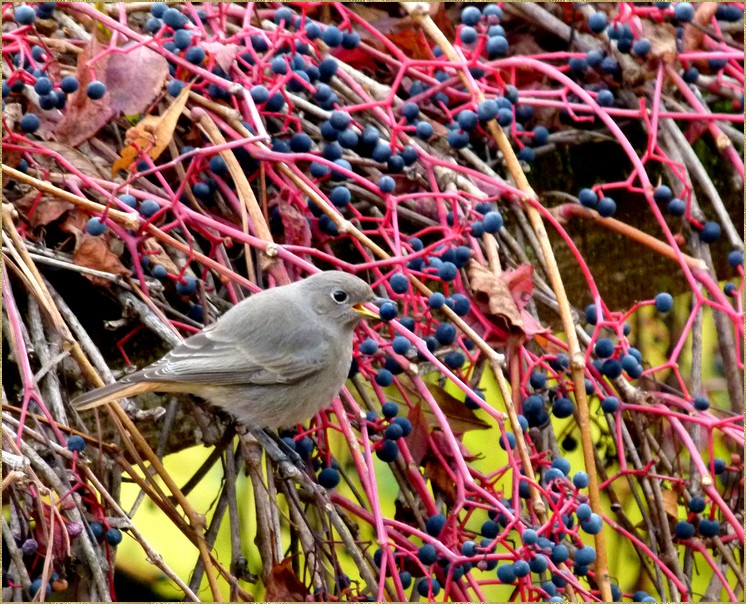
(134, 78)
(417, 440)
(93, 252)
(83, 116)
(413, 43)
(224, 54)
(671, 504)
(160, 256)
(74, 158)
(283, 585)
(693, 35)
(662, 38)
(48, 210)
(461, 419)
(297, 229)
(441, 480)
(493, 296)
(152, 133)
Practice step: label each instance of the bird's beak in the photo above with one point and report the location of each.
(359, 308)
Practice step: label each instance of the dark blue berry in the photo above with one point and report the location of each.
(95, 226)
(604, 348)
(195, 55)
(709, 528)
(388, 311)
(149, 207)
(676, 207)
(562, 408)
(399, 283)
(386, 184)
(174, 19)
(29, 123)
(710, 233)
(329, 478)
(388, 452)
(470, 15)
(467, 119)
(75, 443)
(610, 404)
(597, 22)
(605, 98)
(492, 221)
(113, 537)
(683, 11)
(663, 302)
(701, 403)
(446, 334)
(497, 46)
(43, 86)
(25, 15)
(684, 530)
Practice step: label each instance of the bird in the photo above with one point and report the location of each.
(272, 361)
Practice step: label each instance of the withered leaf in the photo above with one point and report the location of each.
(283, 585)
(297, 229)
(153, 133)
(93, 252)
(132, 78)
(75, 158)
(493, 296)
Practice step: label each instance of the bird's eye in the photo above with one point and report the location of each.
(339, 296)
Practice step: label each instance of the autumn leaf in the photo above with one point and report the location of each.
(297, 229)
(93, 252)
(133, 77)
(493, 296)
(152, 133)
(283, 585)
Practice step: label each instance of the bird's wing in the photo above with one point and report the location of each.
(245, 348)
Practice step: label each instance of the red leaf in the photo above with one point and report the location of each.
(283, 585)
(297, 229)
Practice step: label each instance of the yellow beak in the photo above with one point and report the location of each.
(364, 311)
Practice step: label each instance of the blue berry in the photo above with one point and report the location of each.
(113, 537)
(642, 47)
(470, 15)
(436, 300)
(467, 119)
(435, 524)
(461, 304)
(605, 98)
(662, 194)
(580, 479)
(606, 207)
(75, 443)
(504, 117)
(400, 345)
(585, 555)
(487, 110)
(594, 58)
(406, 579)
(497, 46)
(329, 478)
(182, 38)
(404, 424)
(710, 233)
(735, 258)
(25, 15)
(36, 584)
(593, 525)
(560, 553)
(390, 410)
(340, 120)
(541, 136)
(604, 348)
(29, 122)
(597, 22)
(174, 19)
(328, 69)
(588, 198)
(186, 286)
(562, 408)
(492, 222)
(369, 346)
(448, 271)
(718, 465)
(611, 368)
(128, 200)
(577, 64)
(468, 35)
(730, 289)
(350, 40)
(384, 378)
(683, 11)
(454, 360)
(43, 86)
(691, 75)
(284, 14)
(709, 528)
(300, 142)
(149, 207)
(96, 90)
(701, 403)
(676, 207)
(399, 283)
(610, 404)
(336, 174)
(388, 311)
(684, 530)
(175, 87)
(95, 226)
(426, 586)
(446, 334)
(458, 139)
(410, 111)
(196, 55)
(505, 573)
(424, 130)
(386, 184)
(348, 139)
(427, 554)
(663, 302)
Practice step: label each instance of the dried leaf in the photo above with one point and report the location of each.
(84, 116)
(662, 38)
(494, 297)
(157, 255)
(283, 585)
(93, 252)
(297, 229)
(671, 504)
(520, 283)
(75, 158)
(152, 133)
(441, 480)
(693, 35)
(134, 78)
(224, 54)
(413, 43)
(48, 210)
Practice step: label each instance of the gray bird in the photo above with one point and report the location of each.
(271, 361)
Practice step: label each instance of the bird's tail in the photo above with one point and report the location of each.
(109, 393)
